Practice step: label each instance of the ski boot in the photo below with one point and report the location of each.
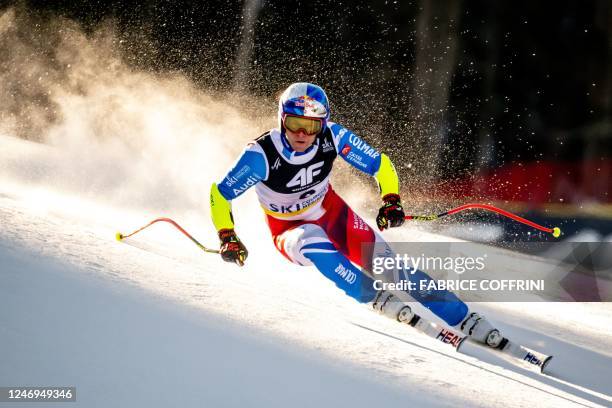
(479, 329)
(389, 305)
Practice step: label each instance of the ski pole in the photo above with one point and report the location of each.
(556, 231)
(119, 236)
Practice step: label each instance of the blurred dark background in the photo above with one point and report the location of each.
(502, 101)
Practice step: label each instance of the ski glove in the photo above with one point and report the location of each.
(232, 249)
(391, 214)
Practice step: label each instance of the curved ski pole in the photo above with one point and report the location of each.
(119, 236)
(556, 232)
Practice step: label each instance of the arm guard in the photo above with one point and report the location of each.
(220, 210)
(250, 168)
(388, 182)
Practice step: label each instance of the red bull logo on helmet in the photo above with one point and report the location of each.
(311, 107)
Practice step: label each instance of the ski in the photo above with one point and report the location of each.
(456, 340)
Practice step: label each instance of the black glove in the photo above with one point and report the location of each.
(232, 249)
(391, 214)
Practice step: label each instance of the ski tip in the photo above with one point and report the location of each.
(118, 236)
(545, 363)
(556, 232)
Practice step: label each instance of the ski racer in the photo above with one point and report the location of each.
(310, 223)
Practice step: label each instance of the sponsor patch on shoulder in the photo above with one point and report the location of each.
(346, 149)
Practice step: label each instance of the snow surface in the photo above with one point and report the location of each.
(156, 322)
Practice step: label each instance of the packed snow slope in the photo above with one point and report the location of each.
(156, 322)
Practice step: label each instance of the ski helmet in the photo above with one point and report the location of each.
(304, 100)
